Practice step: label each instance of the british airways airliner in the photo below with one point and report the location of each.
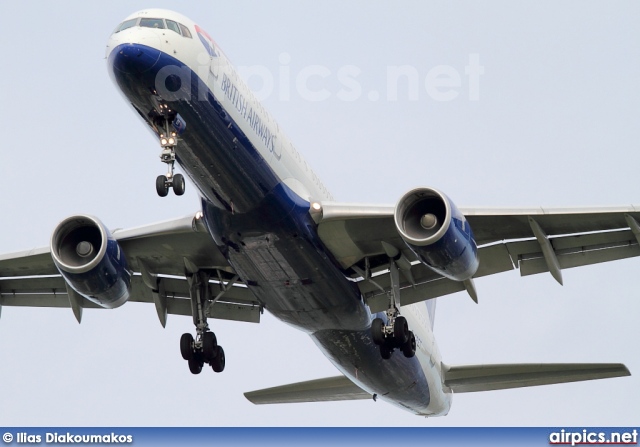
(361, 280)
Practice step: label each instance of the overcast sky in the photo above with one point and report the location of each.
(553, 121)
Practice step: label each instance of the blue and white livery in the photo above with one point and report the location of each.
(360, 279)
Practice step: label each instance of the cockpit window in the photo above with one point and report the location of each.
(185, 31)
(152, 23)
(173, 26)
(126, 24)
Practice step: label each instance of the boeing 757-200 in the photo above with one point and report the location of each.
(361, 280)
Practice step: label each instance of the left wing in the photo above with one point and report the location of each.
(534, 240)
(158, 254)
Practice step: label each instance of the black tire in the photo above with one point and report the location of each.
(186, 346)
(161, 186)
(209, 345)
(195, 365)
(400, 331)
(178, 184)
(409, 348)
(385, 352)
(376, 331)
(218, 362)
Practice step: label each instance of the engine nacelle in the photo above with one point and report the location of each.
(91, 261)
(437, 232)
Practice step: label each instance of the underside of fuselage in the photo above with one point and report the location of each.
(263, 228)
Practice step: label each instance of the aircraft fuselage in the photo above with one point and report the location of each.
(256, 195)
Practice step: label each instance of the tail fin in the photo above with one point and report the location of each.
(471, 378)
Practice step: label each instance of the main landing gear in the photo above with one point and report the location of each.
(168, 142)
(395, 334)
(204, 348)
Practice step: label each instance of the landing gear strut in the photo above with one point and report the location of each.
(168, 142)
(204, 348)
(395, 334)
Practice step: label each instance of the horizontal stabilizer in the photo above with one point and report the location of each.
(319, 390)
(470, 378)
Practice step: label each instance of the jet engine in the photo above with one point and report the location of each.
(91, 261)
(437, 232)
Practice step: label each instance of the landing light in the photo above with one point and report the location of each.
(315, 210)
(168, 141)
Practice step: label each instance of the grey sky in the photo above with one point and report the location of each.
(556, 125)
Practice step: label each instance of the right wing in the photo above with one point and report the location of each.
(158, 253)
(534, 240)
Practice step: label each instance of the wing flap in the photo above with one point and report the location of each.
(329, 389)
(472, 378)
(26, 285)
(493, 259)
(41, 300)
(534, 266)
(237, 304)
(575, 251)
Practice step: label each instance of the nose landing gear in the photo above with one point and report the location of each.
(168, 142)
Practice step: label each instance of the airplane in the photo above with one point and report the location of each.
(269, 236)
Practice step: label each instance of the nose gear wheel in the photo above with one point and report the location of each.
(168, 142)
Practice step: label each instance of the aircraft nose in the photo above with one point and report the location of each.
(133, 58)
